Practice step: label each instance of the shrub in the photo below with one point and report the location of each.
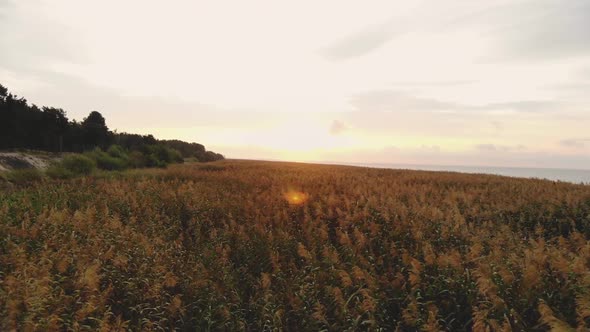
(152, 160)
(137, 159)
(117, 151)
(211, 156)
(175, 156)
(115, 160)
(57, 171)
(160, 156)
(109, 163)
(78, 164)
(24, 175)
(166, 154)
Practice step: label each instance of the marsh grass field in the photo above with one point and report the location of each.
(247, 245)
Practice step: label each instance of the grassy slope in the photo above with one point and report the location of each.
(218, 247)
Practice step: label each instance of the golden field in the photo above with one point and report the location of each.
(246, 245)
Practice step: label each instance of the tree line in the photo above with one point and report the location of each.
(25, 126)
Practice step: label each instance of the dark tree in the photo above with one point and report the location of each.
(96, 132)
(48, 128)
(3, 92)
(188, 150)
(134, 141)
(16, 122)
(56, 126)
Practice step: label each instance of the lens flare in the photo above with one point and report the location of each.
(295, 197)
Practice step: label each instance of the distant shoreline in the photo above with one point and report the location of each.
(576, 176)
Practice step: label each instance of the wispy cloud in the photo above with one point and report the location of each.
(28, 47)
(559, 29)
(523, 106)
(393, 100)
(536, 30)
(516, 31)
(575, 142)
(365, 41)
(487, 147)
(420, 84)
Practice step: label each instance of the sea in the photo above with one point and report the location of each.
(578, 176)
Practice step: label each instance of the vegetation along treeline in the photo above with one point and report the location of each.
(24, 126)
(261, 246)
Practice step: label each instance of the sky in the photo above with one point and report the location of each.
(489, 83)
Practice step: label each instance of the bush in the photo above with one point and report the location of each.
(152, 160)
(115, 160)
(109, 163)
(137, 159)
(57, 171)
(175, 156)
(211, 156)
(165, 154)
(117, 151)
(24, 175)
(160, 156)
(78, 164)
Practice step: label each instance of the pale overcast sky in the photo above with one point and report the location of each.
(499, 83)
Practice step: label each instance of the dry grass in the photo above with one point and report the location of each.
(261, 246)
